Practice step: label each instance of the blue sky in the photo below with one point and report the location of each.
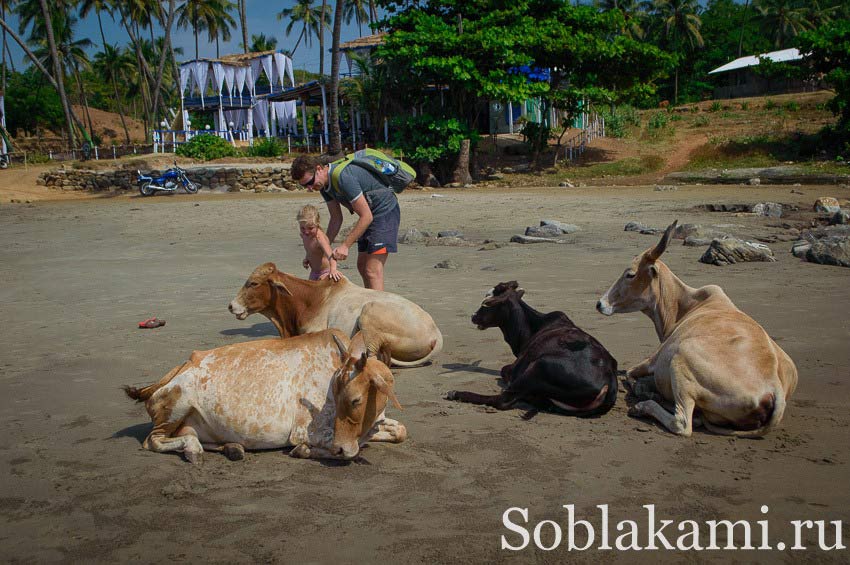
(262, 18)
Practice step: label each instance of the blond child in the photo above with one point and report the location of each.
(319, 258)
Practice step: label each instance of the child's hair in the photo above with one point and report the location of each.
(309, 214)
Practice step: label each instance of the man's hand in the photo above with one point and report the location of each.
(305, 263)
(334, 275)
(341, 252)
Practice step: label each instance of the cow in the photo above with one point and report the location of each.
(317, 392)
(712, 358)
(558, 367)
(392, 326)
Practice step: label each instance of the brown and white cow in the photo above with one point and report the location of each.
(712, 357)
(305, 391)
(390, 323)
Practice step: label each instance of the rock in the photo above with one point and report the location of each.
(491, 245)
(565, 228)
(692, 241)
(566, 184)
(437, 196)
(827, 205)
(447, 242)
(731, 250)
(488, 268)
(695, 230)
(800, 248)
(521, 168)
(754, 181)
(840, 218)
(639, 227)
(543, 231)
(247, 190)
(412, 235)
(530, 239)
(447, 264)
(507, 170)
(272, 188)
(454, 185)
(665, 188)
(830, 251)
(450, 233)
(495, 176)
(769, 209)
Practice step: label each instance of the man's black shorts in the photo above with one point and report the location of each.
(382, 234)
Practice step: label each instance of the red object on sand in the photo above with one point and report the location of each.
(151, 323)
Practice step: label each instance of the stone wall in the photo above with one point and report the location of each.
(216, 179)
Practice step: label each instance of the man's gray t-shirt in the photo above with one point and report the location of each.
(354, 182)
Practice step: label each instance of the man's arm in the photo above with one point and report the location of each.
(335, 221)
(364, 218)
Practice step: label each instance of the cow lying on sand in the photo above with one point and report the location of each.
(558, 367)
(306, 391)
(391, 324)
(712, 356)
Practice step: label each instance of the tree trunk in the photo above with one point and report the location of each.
(676, 87)
(322, 38)
(373, 13)
(461, 171)
(243, 19)
(57, 69)
(336, 138)
(166, 47)
(84, 100)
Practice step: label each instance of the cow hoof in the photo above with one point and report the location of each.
(300, 451)
(452, 395)
(233, 451)
(193, 457)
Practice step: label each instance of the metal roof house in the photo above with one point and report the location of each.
(739, 78)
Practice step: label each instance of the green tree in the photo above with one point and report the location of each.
(113, 66)
(355, 10)
(243, 21)
(37, 103)
(306, 16)
(634, 15)
(783, 19)
(196, 14)
(680, 26)
(220, 22)
(829, 55)
(260, 43)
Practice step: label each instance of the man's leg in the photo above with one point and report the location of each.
(371, 267)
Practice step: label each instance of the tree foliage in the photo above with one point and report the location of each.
(829, 54)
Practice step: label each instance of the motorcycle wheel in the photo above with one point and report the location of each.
(146, 189)
(191, 187)
(4, 161)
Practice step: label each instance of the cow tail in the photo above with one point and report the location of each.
(144, 393)
(776, 409)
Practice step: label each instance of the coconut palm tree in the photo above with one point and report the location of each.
(680, 27)
(99, 6)
(308, 17)
(355, 10)
(783, 19)
(112, 66)
(633, 15)
(195, 14)
(57, 69)
(260, 43)
(243, 20)
(335, 141)
(219, 22)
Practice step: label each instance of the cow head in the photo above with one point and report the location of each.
(362, 386)
(634, 291)
(256, 294)
(494, 309)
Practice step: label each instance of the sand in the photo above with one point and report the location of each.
(77, 486)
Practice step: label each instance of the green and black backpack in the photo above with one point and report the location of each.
(391, 172)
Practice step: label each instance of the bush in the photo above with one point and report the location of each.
(266, 147)
(618, 121)
(206, 147)
(745, 106)
(701, 121)
(658, 121)
(791, 106)
(715, 107)
(536, 136)
(770, 105)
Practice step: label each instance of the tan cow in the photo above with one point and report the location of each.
(712, 356)
(305, 391)
(390, 324)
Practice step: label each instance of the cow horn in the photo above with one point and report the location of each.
(343, 350)
(656, 251)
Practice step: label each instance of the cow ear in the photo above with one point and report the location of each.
(520, 292)
(278, 282)
(361, 362)
(386, 389)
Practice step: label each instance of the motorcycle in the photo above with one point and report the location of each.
(169, 181)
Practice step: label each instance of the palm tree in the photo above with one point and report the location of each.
(57, 70)
(335, 141)
(355, 10)
(260, 43)
(112, 66)
(243, 20)
(195, 14)
(98, 6)
(681, 25)
(219, 22)
(309, 18)
(633, 15)
(783, 19)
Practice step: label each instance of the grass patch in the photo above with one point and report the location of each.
(625, 167)
(768, 151)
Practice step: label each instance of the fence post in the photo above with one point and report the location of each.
(113, 151)
(134, 149)
(50, 154)
(288, 144)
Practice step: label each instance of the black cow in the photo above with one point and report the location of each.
(558, 367)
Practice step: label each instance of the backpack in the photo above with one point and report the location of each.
(393, 173)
